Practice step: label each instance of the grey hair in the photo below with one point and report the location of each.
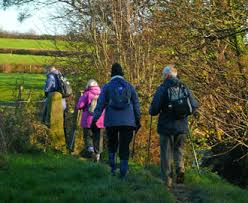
(49, 67)
(169, 70)
(91, 83)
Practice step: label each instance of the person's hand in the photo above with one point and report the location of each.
(93, 125)
(196, 114)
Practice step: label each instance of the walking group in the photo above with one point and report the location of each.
(115, 107)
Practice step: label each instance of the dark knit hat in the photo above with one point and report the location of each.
(116, 70)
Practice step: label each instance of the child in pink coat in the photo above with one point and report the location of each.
(93, 139)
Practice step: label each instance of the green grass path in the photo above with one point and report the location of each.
(56, 178)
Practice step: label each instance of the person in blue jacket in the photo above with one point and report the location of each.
(122, 116)
(171, 129)
(52, 85)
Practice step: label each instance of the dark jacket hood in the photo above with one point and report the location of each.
(171, 81)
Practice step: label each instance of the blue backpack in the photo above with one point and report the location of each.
(119, 96)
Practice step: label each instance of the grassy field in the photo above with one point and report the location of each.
(32, 44)
(56, 178)
(34, 82)
(25, 59)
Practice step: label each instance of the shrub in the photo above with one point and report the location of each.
(23, 131)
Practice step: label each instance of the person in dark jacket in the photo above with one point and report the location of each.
(122, 117)
(172, 130)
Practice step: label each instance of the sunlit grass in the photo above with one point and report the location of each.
(32, 44)
(10, 81)
(26, 59)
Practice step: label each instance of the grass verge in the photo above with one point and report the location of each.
(210, 187)
(57, 178)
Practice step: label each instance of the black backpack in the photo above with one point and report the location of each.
(179, 101)
(119, 96)
(64, 85)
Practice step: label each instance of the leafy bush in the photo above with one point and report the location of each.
(22, 131)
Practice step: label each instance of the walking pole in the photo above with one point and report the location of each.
(133, 149)
(149, 142)
(116, 157)
(193, 148)
(71, 147)
(76, 117)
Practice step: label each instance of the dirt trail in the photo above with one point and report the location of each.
(184, 195)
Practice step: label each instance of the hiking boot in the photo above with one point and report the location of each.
(97, 158)
(180, 176)
(85, 154)
(169, 183)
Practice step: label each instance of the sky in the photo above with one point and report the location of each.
(38, 23)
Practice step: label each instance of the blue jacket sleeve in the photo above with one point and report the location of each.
(193, 101)
(50, 83)
(136, 105)
(101, 104)
(157, 101)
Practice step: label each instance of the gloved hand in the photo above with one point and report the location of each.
(46, 94)
(93, 125)
(196, 114)
(138, 126)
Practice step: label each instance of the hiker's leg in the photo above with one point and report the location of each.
(44, 113)
(166, 157)
(96, 139)
(64, 107)
(98, 142)
(112, 139)
(126, 134)
(178, 156)
(65, 131)
(101, 135)
(88, 140)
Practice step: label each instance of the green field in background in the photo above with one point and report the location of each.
(33, 82)
(26, 59)
(32, 44)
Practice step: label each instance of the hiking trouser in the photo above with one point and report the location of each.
(93, 139)
(171, 150)
(119, 136)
